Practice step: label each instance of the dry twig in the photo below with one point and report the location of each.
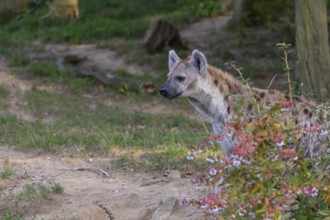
(106, 210)
(95, 170)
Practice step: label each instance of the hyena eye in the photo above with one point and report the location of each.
(180, 78)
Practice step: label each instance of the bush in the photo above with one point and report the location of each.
(204, 8)
(260, 12)
(266, 176)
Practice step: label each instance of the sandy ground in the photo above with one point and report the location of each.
(125, 194)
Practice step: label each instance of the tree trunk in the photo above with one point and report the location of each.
(313, 59)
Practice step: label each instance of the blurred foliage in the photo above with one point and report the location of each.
(100, 20)
(35, 4)
(266, 176)
(203, 8)
(276, 15)
(261, 12)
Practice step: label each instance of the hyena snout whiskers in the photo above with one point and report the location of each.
(168, 90)
(163, 90)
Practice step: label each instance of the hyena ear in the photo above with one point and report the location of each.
(199, 61)
(172, 59)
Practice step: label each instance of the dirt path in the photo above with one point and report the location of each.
(126, 195)
(104, 60)
(17, 87)
(206, 31)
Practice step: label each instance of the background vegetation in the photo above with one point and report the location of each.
(70, 115)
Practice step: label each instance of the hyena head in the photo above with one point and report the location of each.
(183, 74)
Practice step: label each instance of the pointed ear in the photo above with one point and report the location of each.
(199, 61)
(172, 59)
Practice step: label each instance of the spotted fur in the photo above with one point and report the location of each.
(215, 93)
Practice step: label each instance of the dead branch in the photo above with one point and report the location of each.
(95, 170)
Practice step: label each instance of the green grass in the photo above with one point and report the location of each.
(46, 69)
(28, 200)
(88, 125)
(35, 191)
(4, 93)
(57, 188)
(19, 59)
(40, 191)
(98, 20)
(6, 172)
(47, 72)
(7, 214)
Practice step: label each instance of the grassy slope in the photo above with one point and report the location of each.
(98, 20)
(85, 125)
(92, 127)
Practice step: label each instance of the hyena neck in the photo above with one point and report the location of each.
(209, 97)
(215, 114)
(224, 82)
(208, 102)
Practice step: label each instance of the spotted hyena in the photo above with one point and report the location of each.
(213, 93)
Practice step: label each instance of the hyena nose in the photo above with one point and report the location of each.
(163, 90)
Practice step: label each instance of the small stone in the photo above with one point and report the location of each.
(166, 173)
(165, 209)
(175, 174)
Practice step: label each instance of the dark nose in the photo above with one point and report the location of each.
(163, 90)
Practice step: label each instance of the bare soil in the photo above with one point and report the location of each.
(103, 59)
(201, 33)
(125, 194)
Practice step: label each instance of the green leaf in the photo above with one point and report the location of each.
(325, 213)
(261, 211)
(287, 215)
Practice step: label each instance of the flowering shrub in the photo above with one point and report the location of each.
(266, 176)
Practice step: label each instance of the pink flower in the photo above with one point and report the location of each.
(287, 104)
(219, 137)
(288, 153)
(212, 171)
(212, 199)
(183, 202)
(312, 129)
(310, 191)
